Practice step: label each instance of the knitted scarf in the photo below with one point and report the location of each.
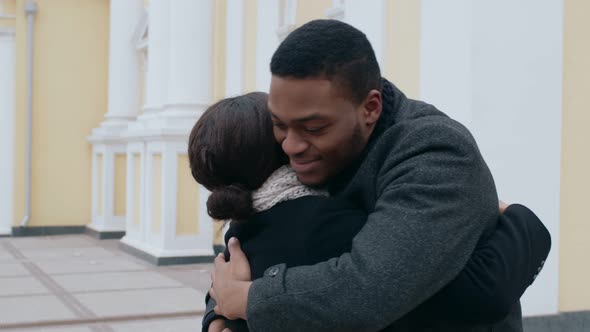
(282, 185)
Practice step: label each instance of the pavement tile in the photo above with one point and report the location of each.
(51, 329)
(148, 301)
(168, 325)
(196, 275)
(23, 285)
(114, 281)
(66, 253)
(104, 264)
(7, 258)
(47, 242)
(21, 309)
(13, 270)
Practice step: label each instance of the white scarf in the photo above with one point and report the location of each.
(282, 185)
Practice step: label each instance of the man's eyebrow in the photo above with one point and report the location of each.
(310, 117)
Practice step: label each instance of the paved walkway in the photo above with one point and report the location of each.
(80, 284)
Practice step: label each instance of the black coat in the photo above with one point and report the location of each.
(310, 229)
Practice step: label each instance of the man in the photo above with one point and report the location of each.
(419, 174)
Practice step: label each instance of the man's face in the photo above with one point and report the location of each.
(320, 130)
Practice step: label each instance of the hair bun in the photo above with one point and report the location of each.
(230, 202)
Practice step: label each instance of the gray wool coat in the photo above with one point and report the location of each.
(430, 197)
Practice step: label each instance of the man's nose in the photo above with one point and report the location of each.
(293, 144)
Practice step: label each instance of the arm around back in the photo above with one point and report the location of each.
(435, 195)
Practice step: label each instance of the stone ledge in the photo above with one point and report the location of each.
(566, 321)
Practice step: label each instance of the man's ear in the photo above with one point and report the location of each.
(372, 108)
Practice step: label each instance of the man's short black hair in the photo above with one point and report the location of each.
(333, 50)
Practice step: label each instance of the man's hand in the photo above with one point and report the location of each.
(231, 282)
(218, 325)
(503, 206)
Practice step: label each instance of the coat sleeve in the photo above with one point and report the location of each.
(435, 198)
(499, 271)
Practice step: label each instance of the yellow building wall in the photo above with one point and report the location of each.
(574, 270)
(308, 10)
(120, 184)
(402, 49)
(219, 36)
(99, 183)
(156, 193)
(7, 7)
(187, 199)
(137, 175)
(69, 99)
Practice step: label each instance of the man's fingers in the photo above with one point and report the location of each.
(503, 206)
(220, 259)
(239, 262)
(217, 310)
(235, 252)
(212, 294)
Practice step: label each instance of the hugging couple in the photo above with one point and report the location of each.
(354, 208)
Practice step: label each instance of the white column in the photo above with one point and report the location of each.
(369, 17)
(189, 90)
(179, 89)
(498, 66)
(123, 60)
(446, 55)
(267, 40)
(157, 58)
(234, 48)
(7, 108)
(123, 90)
(123, 106)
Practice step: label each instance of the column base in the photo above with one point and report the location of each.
(46, 230)
(106, 228)
(103, 235)
(164, 257)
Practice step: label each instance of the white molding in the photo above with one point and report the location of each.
(284, 31)
(165, 243)
(132, 230)
(288, 19)
(337, 11)
(107, 220)
(140, 35)
(7, 129)
(7, 31)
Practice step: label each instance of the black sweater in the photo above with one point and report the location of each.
(309, 230)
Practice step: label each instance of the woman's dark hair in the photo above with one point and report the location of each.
(232, 151)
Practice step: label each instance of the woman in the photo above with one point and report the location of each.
(233, 153)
